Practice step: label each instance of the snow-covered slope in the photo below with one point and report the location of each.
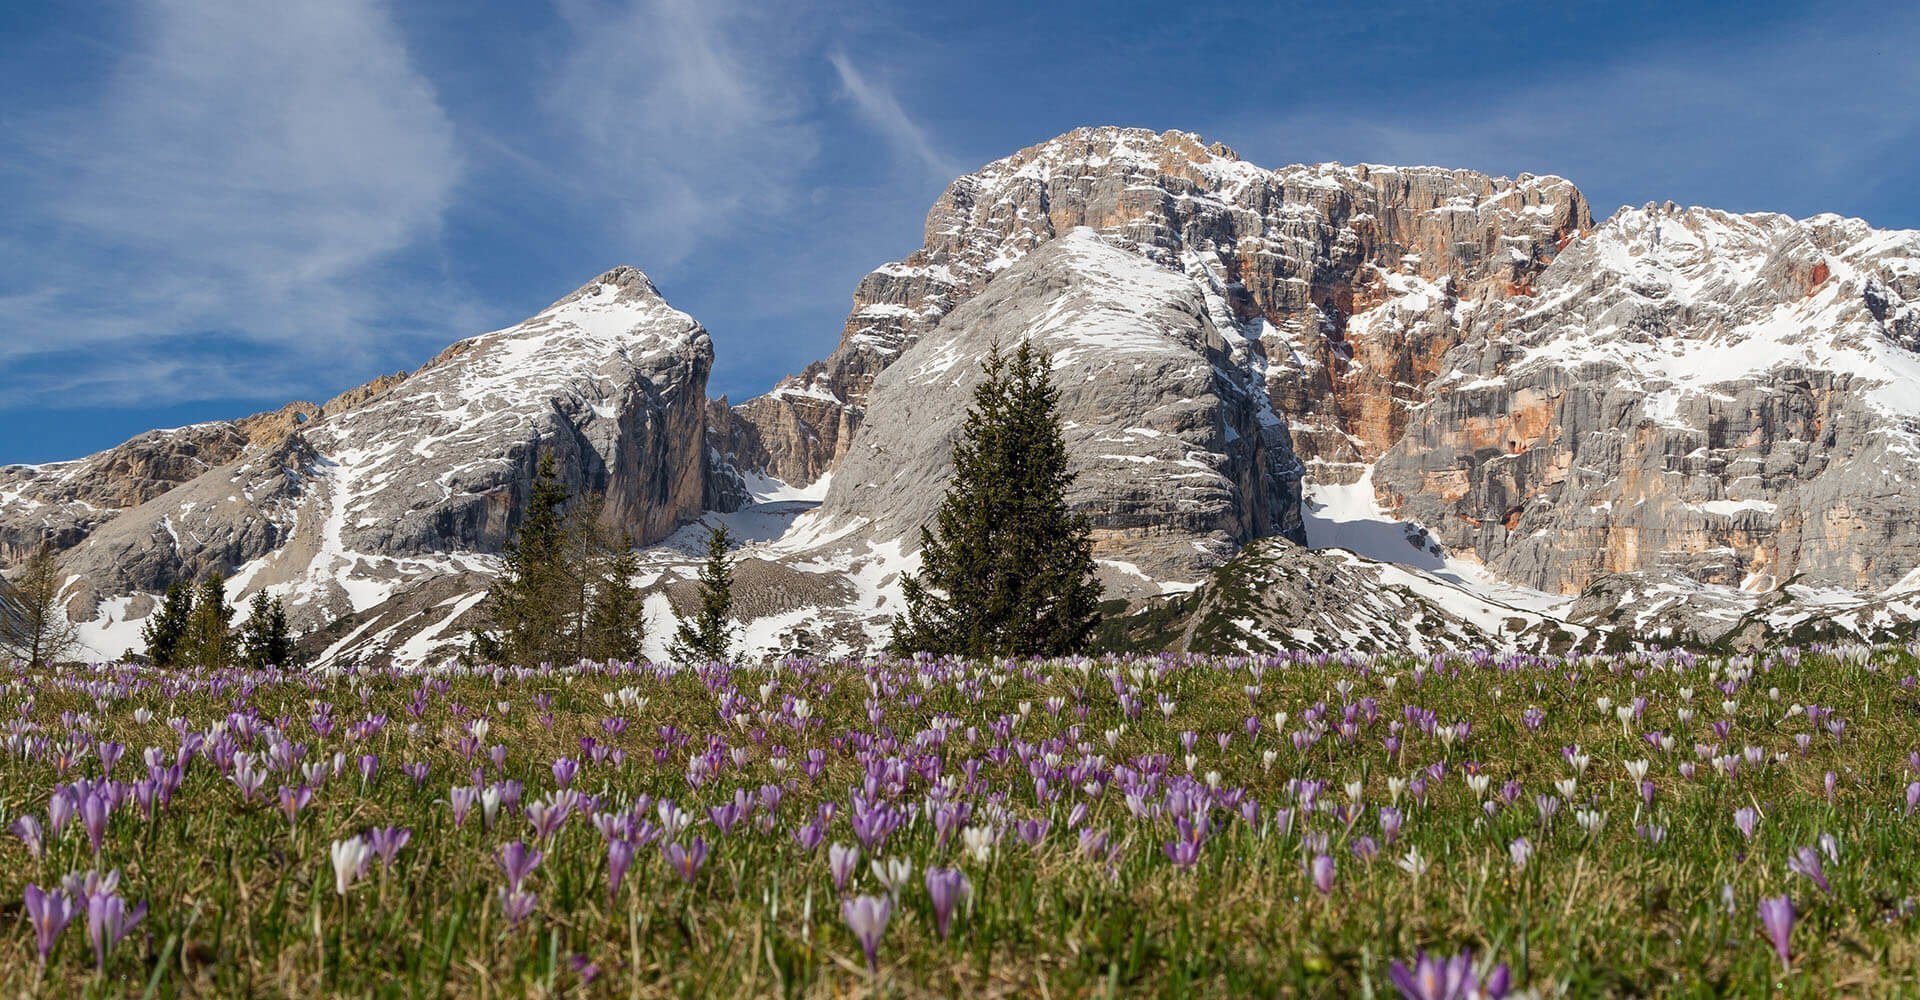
(425, 479)
(1178, 455)
(1731, 398)
(1483, 410)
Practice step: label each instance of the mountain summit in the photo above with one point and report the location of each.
(1524, 427)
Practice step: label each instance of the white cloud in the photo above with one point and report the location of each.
(246, 169)
(690, 115)
(883, 111)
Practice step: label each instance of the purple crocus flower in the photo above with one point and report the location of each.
(49, 912)
(564, 771)
(1776, 919)
(292, 800)
(867, 917)
(461, 798)
(1806, 861)
(28, 829)
(59, 812)
(841, 861)
(1183, 853)
(1323, 872)
(1451, 979)
(1391, 820)
(110, 754)
(1913, 797)
(1746, 818)
(619, 859)
(108, 922)
(387, 841)
(95, 809)
(686, 861)
(947, 887)
(82, 886)
(517, 905)
(517, 860)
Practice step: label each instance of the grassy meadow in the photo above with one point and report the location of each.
(1294, 826)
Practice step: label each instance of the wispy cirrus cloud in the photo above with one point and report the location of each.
(687, 115)
(881, 109)
(244, 171)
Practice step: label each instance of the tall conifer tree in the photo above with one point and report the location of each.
(33, 626)
(265, 639)
(166, 629)
(707, 637)
(209, 639)
(526, 612)
(616, 624)
(1007, 567)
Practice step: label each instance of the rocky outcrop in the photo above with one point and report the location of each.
(1730, 398)
(64, 502)
(424, 476)
(1679, 425)
(1669, 608)
(1275, 596)
(1349, 278)
(1178, 456)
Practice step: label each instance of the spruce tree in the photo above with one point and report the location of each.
(33, 626)
(616, 626)
(209, 638)
(265, 639)
(1007, 567)
(527, 615)
(166, 628)
(584, 550)
(707, 637)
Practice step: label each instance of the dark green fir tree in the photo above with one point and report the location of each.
(166, 629)
(1007, 567)
(265, 638)
(526, 617)
(707, 637)
(616, 623)
(209, 639)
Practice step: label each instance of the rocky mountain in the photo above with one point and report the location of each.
(1319, 405)
(1179, 456)
(1735, 398)
(423, 477)
(1551, 404)
(1347, 277)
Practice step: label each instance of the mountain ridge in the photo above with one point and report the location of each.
(1502, 407)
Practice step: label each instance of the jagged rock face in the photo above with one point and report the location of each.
(610, 379)
(1349, 278)
(62, 503)
(1276, 596)
(1669, 608)
(215, 522)
(1179, 457)
(1731, 398)
(418, 478)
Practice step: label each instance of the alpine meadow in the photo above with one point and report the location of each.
(1186, 570)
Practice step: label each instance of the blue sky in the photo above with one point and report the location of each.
(216, 206)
